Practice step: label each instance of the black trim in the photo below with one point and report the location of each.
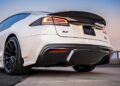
(77, 46)
(36, 22)
(84, 55)
(81, 15)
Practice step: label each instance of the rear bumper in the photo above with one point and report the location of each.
(31, 50)
(75, 54)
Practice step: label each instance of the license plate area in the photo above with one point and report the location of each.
(88, 30)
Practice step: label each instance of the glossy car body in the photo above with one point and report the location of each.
(56, 39)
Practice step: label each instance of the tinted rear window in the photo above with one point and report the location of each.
(12, 20)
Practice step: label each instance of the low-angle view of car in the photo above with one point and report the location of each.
(45, 39)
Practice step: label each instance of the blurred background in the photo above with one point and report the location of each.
(108, 9)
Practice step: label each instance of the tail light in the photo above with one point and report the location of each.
(58, 51)
(104, 31)
(47, 20)
(54, 20)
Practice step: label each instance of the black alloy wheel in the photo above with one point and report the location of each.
(13, 62)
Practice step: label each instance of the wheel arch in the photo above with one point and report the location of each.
(7, 38)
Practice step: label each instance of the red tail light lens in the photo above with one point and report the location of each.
(55, 20)
(47, 20)
(60, 21)
(58, 51)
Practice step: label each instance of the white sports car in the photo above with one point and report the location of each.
(43, 39)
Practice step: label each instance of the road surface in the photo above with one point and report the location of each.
(59, 76)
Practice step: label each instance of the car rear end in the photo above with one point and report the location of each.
(81, 39)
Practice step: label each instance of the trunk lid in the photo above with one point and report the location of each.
(81, 25)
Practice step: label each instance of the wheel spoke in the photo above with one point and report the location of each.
(7, 62)
(7, 53)
(7, 59)
(11, 45)
(14, 59)
(11, 64)
(8, 49)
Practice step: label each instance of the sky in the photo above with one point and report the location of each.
(108, 9)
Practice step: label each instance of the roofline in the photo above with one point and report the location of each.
(37, 12)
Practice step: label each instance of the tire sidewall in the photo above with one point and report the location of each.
(19, 61)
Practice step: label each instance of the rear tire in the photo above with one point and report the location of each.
(13, 62)
(83, 68)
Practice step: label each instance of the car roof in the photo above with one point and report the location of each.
(37, 12)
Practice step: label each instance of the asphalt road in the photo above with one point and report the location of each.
(59, 76)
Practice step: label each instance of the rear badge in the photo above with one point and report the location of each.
(65, 31)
